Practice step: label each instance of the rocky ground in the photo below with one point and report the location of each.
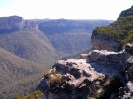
(103, 75)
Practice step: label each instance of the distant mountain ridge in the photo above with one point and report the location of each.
(64, 25)
(70, 36)
(15, 23)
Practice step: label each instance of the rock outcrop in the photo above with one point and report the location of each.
(104, 74)
(113, 36)
(104, 42)
(80, 77)
(125, 13)
(107, 73)
(16, 22)
(77, 76)
(126, 92)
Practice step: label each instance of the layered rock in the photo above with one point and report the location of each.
(104, 42)
(16, 22)
(82, 77)
(102, 75)
(77, 75)
(113, 36)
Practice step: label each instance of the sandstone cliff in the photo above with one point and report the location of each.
(116, 34)
(99, 76)
(107, 73)
(16, 22)
(104, 42)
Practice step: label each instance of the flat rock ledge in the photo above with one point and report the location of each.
(103, 75)
(80, 79)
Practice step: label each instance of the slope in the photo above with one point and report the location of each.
(71, 42)
(30, 44)
(70, 36)
(13, 69)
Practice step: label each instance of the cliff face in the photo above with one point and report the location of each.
(125, 13)
(105, 74)
(104, 42)
(16, 22)
(116, 34)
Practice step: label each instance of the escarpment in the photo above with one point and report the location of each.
(113, 36)
(107, 73)
(16, 22)
(104, 42)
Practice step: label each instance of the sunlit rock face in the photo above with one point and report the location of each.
(104, 42)
(16, 22)
(79, 76)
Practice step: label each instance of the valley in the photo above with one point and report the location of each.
(29, 47)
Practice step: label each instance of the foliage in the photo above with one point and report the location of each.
(18, 76)
(53, 76)
(121, 30)
(30, 44)
(20, 87)
(104, 89)
(33, 95)
(70, 36)
(94, 90)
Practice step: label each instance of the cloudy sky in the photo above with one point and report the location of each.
(68, 9)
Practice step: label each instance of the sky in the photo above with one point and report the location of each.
(68, 9)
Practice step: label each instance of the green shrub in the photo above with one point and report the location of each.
(34, 95)
(120, 30)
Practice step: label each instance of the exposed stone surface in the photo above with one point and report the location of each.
(129, 48)
(80, 77)
(77, 75)
(126, 92)
(125, 13)
(16, 22)
(107, 69)
(104, 42)
(128, 68)
(107, 58)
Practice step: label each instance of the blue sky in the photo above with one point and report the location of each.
(68, 9)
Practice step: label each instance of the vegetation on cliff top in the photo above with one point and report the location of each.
(120, 30)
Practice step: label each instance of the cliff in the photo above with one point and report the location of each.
(107, 73)
(113, 36)
(16, 22)
(104, 74)
(125, 13)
